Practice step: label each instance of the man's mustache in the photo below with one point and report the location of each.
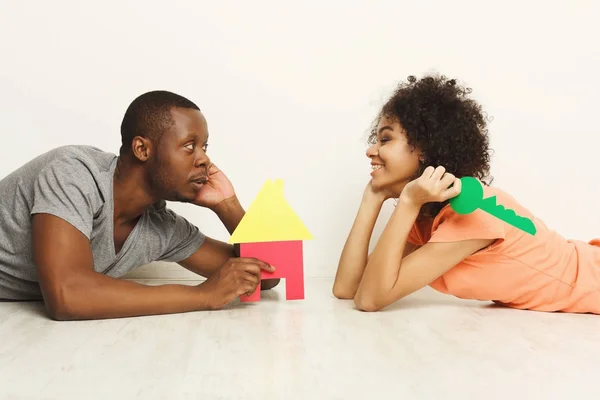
(201, 178)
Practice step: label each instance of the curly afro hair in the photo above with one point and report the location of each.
(449, 128)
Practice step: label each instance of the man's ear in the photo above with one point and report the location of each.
(141, 148)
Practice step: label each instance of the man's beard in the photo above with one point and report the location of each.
(163, 187)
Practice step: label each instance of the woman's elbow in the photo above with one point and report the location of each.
(367, 303)
(343, 293)
(371, 301)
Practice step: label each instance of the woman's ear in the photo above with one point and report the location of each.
(422, 158)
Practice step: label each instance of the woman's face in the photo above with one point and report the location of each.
(393, 160)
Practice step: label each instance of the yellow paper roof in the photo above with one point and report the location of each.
(270, 218)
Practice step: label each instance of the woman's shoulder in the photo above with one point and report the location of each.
(495, 202)
(500, 216)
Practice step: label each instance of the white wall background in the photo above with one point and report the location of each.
(290, 88)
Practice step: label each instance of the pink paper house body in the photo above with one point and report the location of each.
(271, 231)
(286, 257)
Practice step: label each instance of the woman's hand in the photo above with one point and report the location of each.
(377, 196)
(431, 186)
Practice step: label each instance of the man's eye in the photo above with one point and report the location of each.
(205, 147)
(190, 146)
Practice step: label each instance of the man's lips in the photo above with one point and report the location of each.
(198, 182)
(200, 179)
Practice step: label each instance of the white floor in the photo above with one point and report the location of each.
(426, 347)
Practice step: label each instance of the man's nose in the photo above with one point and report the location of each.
(202, 159)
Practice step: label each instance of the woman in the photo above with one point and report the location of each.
(427, 136)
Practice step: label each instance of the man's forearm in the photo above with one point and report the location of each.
(100, 297)
(230, 212)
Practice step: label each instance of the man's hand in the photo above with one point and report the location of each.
(216, 189)
(238, 276)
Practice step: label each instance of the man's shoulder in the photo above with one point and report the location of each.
(91, 157)
(82, 165)
(71, 162)
(70, 170)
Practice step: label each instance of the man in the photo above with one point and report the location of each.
(76, 218)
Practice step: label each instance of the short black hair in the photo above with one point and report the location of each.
(149, 115)
(441, 120)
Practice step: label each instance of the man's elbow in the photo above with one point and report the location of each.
(61, 305)
(60, 314)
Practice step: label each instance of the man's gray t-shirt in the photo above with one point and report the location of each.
(75, 183)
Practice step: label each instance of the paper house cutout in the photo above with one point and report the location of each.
(271, 231)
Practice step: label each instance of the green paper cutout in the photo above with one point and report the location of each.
(471, 198)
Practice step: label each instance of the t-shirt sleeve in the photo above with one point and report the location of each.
(450, 226)
(185, 238)
(66, 188)
(414, 236)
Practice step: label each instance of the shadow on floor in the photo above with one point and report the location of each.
(415, 303)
